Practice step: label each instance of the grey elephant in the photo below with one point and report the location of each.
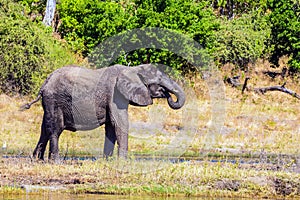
(76, 98)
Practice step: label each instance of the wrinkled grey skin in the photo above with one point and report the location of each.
(75, 98)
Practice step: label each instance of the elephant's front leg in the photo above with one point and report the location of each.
(118, 114)
(122, 139)
(116, 131)
(53, 148)
(121, 127)
(119, 120)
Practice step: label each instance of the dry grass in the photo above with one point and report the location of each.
(267, 122)
(17, 129)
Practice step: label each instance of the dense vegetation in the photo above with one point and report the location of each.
(238, 32)
(285, 25)
(28, 51)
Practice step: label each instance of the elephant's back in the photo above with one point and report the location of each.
(78, 81)
(70, 77)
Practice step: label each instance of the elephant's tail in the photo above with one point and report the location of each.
(28, 105)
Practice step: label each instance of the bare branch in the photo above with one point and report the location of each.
(234, 82)
(280, 88)
(245, 84)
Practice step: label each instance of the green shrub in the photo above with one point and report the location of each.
(86, 23)
(28, 51)
(22, 54)
(285, 26)
(241, 40)
(34, 9)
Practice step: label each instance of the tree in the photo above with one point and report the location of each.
(50, 11)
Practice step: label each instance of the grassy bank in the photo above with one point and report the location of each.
(157, 178)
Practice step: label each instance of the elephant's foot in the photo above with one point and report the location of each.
(122, 153)
(38, 153)
(54, 158)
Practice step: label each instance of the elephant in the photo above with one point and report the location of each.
(76, 98)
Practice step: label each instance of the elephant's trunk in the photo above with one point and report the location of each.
(174, 88)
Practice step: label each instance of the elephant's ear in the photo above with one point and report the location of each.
(132, 88)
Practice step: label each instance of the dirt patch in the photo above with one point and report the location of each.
(286, 187)
(281, 187)
(36, 180)
(262, 181)
(22, 171)
(227, 184)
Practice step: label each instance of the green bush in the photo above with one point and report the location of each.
(192, 19)
(195, 19)
(285, 26)
(22, 54)
(86, 23)
(28, 51)
(34, 9)
(242, 40)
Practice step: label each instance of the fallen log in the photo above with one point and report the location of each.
(280, 88)
(263, 90)
(234, 81)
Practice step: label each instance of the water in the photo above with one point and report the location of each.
(255, 159)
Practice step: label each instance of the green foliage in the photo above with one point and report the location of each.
(238, 32)
(194, 19)
(22, 52)
(242, 40)
(234, 8)
(87, 23)
(278, 38)
(33, 8)
(149, 45)
(285, 37)
(28, 51)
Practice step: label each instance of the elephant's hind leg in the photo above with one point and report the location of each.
(40, 148)
(56, 130)
(110, 140)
